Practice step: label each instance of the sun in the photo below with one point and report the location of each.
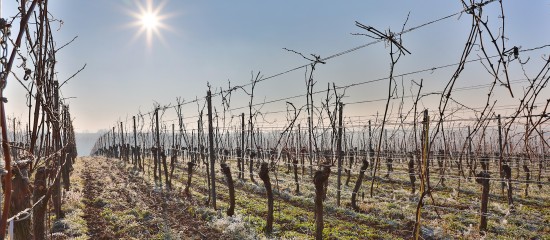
(149, 18)
(150, 21)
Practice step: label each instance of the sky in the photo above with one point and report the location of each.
(216, 42)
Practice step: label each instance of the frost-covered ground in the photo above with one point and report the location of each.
(388, 214)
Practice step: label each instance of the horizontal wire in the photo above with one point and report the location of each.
(325, 59)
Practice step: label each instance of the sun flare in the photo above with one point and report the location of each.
(149, 18)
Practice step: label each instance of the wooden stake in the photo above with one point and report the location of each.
(211, 148)
(339, 154)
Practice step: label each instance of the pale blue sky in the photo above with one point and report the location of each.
(216, 41)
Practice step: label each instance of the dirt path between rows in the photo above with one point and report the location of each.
(97, 227)
(120, 205)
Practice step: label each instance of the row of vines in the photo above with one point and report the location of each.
(38, 148)
(452, 158)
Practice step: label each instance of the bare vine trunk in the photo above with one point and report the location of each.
(412, 176)
(165, 165)
(527, 179)
(351, 159)
(239, 161)
(319, 180)
(483, 179)
(155, 161)
(21, 200)
(264, 175)
(173, 160)
(227, 172)
(251, 166)
(295, 163)
(508, 175)
(39, 212)
(190, 166)
(65, 171)
(364, 167)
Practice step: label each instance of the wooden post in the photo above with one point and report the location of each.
(339, 152)
(251, 147)
(135, 150)
(500, 155)
(115, 149)
(541, 159)
(173, 137)
(301, 156)
(57, 145)
(14, 151)
(107, 142)
(122, 145)
(157, 153)
(527, 157)
(164, 164)
(211, 148)
(199, 144)
(371, 150)
(243, 150)
(387, 155)
(173, 156)
(469, 159)
(295, 164)
(310, 152)
(423, 173)
(65, 153)
(296, 159)
(527, 178)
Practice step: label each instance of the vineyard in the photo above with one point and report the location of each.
(424, 162)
